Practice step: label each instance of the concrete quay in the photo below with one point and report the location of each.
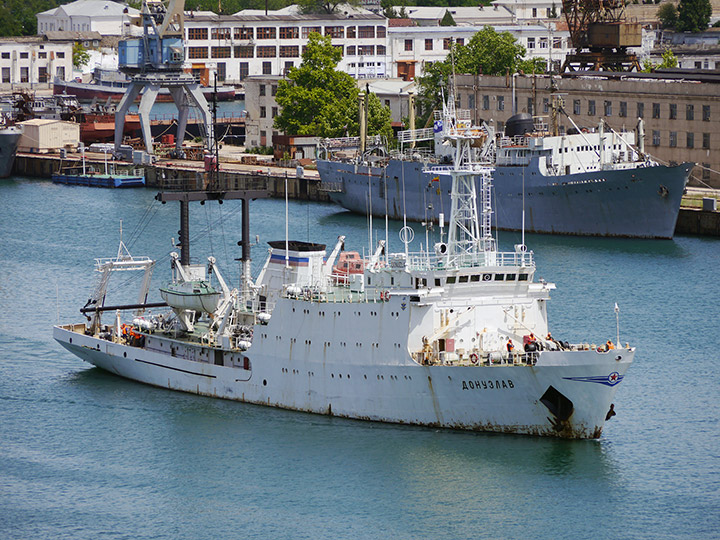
(694, 219)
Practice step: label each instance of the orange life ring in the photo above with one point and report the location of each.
(474, 358)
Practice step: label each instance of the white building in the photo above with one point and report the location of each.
(532, 11)
(104, 16)
(32, 62)
(251, 43)
(463, 16)
(412, 48)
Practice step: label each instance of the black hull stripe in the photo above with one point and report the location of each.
(176, 369)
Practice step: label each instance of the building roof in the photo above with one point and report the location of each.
(292, 12)
(63, 35)
(400, 23)
(95, 8)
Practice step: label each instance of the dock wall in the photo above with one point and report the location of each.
(167, 174)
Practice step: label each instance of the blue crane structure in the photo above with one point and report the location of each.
(155, 61)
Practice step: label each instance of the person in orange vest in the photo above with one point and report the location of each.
(609, 345)
(510, 348)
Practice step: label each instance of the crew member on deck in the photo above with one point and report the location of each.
(510, 348)
(609, 345)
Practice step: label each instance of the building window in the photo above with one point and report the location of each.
(673, 139)
(460, 41)
(6, 74)
(244, 70)
(447, 43)
(267, 68)
(221, 52)
(428, 44)
(641, 110)
(274, 112)
(266, 51)
(197, 33)
(244, 33)
(307, 30)
(530, 105)
(366, 50)
(543, 43)
(381, 31)
(691, 140)
(24, 55)
(408, 45)
(263, 112)
(706, 113)
(656, 137)
(366, 32)
(244, 51)
(221, 71)
(289, 32)
(350, 50)
(6, 56)
(623, 109)
(486, 103)
(288, 67)
(60, 73)
(673, 111)
(24, 74)
(608, 108)
(197, 52)
(261, 90)
(706, 141)
(335, 31)
(42, 54)
(61, 55)
(273, 89)
(289, 51)
(576, 107)
(471, 101)
(501, 103)
(380, 51)
(266, 32)
(546, 105)
(531, 43)
(591, 107)
(42, 74)
(351, 32)
(689, 112)
(220, 33)
(656, 110)
(557, 43)
(706, 171)
(534, 12)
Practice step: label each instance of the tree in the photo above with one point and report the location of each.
(80, 55)
(324, 6)
(447, 20)
(318, 100)
(669, 60)
(694, 15)
(667, 14)
(532, 66)
(487, 52)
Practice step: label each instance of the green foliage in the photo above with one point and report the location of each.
(532, 66)
(553, 12)
(261, 150)
(320, 101)
(667, 14)
(669, 60)
(17, 17)
(447, 20)
(487, 52)
(716, 24)
(324, 6)
(693, 15)
(80, 55)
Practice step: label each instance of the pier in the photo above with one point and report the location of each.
(698, 214)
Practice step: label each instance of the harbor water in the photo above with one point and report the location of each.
(85, 454)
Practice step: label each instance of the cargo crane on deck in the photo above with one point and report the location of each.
(601, 36)
(155, 61)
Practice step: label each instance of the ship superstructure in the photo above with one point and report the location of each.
(454, 337)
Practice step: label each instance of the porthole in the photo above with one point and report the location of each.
(125, 354)
(264, 382)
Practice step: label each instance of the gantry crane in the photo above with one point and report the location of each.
(155, 61)
(600, 35)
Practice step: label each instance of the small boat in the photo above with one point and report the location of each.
(190, 290)
(88, 175)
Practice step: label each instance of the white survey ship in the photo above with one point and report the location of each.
(410, 338)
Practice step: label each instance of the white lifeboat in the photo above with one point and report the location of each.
(191, 295)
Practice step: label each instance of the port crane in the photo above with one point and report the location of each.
(155, 61)
(601, 35)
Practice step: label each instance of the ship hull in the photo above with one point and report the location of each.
(641, 202)
(9, 139)
(88, 92)
(503, 398)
